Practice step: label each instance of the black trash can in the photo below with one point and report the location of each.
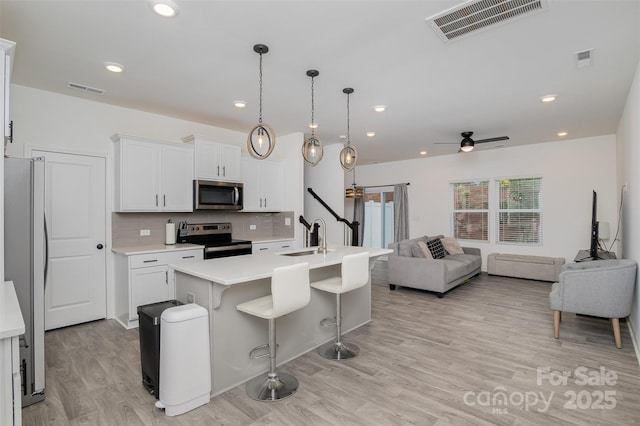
(149, 330)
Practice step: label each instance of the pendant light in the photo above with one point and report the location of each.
(262, 138)
(348, 154)
(354, 191)
(312, 148)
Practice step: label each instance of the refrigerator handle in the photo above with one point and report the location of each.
(46, 250)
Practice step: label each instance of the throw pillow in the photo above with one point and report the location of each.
(436, 248)
(452, 246)
(421, 250)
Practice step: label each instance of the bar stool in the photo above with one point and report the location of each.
(355, 274)
(289, 292)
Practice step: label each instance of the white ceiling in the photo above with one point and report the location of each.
(195, 65)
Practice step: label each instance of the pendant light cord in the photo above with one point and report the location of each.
(348, 131)
(313, 123)
(260, 117)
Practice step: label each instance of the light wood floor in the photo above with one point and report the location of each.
(423, 361)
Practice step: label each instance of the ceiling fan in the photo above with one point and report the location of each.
(467, 144)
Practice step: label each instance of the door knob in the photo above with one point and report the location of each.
(100, 246)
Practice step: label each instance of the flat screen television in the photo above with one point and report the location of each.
(593, 249)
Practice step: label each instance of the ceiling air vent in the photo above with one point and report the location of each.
(85, 88)
(476, 15)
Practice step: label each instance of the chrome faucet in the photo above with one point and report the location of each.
(322, 249)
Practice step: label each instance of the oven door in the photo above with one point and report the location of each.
(210, 195)
(214, 252)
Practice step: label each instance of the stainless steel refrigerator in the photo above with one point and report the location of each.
(25, 260)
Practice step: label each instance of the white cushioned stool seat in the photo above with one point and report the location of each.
(261, 307)
(354, 274)
(290, 291)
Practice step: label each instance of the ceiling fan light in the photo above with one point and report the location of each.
(466, 145)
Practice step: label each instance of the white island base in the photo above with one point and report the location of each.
(221, 284)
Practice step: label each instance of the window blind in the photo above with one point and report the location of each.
(470, 210)
(519, 211)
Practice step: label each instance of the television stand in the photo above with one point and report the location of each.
(584, 256)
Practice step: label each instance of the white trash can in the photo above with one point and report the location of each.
(185, 362)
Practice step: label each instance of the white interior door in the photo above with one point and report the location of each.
(75, 209)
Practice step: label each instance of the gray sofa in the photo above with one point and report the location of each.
(437, 275)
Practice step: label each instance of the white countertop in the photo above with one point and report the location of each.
(11, 321)
(239, 269)
(158, 248)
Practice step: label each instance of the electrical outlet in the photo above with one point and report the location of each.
(191, 298)
(287, 221)
(145, 232)
(252, 227)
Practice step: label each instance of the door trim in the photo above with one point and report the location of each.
(109, 258)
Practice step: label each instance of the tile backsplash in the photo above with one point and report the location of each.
(126, 227)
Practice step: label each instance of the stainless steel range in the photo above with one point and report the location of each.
(215, 237)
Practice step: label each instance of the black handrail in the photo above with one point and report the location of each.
(352, 225)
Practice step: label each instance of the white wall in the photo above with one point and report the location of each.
(628, 144)
(570, 170)
(327, 180)
(69, 124)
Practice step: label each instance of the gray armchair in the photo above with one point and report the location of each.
(602, 288)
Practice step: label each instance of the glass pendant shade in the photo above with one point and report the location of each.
(262, 138)
(261, 141)
(348, 156)
(312, 151)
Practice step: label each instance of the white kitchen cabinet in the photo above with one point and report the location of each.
(152, 175)
(215, 161)
(272, 246)
(6, 56)
(11, 327)
(263, 185)
(144, 278)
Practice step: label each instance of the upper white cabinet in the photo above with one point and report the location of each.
(6, 52)
(263, 185)
(152, 175)
(214, 160)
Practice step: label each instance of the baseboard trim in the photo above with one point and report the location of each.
(636, 344)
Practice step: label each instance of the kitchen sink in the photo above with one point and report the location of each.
(302, 253)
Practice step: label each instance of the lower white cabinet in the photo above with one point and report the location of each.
(10, 387)
(142, 279)
(272, 246)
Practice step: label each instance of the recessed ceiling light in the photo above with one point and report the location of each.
(371, 134)
(563, 133)
(239, 104)
(548, 98)
(313, 125)
(165, 8)
(113, 66)
(380, 108)
(423, 152)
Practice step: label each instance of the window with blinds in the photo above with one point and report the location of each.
(519, 211)
(470, 212)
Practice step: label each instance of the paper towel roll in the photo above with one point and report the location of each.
(170, 238)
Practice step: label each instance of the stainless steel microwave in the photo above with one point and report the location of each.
(214, 195)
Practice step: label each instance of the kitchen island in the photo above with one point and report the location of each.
(221, 284)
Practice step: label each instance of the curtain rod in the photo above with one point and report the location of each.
(380, 186)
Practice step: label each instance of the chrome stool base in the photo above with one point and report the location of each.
(338, 350)
(265, 388)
